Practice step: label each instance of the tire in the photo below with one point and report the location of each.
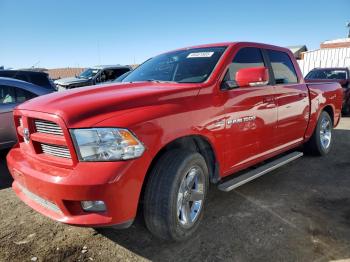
(321, 140)
(168, 212)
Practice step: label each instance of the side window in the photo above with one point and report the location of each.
(103, 76)
(7, 95)
(22, 77)
(23, 95)
(119, 72)
(40, 80)
(282, 67)
(245, 58)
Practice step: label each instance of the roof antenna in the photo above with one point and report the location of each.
(33, 66)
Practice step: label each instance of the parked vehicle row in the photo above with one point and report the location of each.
(177, 123)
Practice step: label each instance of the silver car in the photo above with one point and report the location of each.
(12, 93)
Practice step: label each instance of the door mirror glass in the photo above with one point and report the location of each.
(253, 76)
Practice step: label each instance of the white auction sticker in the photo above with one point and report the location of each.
(200, 54)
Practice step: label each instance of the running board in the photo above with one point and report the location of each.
(262, 170)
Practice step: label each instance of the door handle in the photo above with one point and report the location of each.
(302, 95)
(269, 99)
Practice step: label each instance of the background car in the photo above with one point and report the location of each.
(340, 75)
(12, 93)
(93, 76)
(37, 78)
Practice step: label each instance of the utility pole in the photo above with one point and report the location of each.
(348, 25)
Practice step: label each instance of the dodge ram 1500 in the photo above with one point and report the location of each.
(177, 123)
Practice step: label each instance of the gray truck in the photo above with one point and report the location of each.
(93, 76)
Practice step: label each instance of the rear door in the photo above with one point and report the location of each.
(251, 113)
(291, 98)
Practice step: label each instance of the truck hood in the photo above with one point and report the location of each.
(90, 105)
(70, 81)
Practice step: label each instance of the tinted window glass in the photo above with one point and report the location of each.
(7, 95)
(245, 58)
(282, 67)
(40, 80)
(22, 77)
(23, 95)
(119, 72)
(111, 74)
(327, 74)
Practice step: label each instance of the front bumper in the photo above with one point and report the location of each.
(56, 192)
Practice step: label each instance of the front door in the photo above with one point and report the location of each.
(251, 114)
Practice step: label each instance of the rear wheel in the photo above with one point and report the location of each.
(175, 195)
(322, 139)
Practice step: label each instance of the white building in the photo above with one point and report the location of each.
(333, 53)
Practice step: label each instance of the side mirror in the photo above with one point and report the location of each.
(254, 76)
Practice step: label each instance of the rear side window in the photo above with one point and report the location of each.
(245, 58)
(40, 80)
(23, 95)
(7, 95)
(282, 67)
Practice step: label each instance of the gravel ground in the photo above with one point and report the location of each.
(300, 212)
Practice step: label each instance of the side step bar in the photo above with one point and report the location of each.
(262, 170)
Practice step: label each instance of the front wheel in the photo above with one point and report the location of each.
(321, 140)
(175, 195)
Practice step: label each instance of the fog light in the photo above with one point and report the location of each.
(93, 206)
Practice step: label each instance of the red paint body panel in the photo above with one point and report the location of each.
(244, 126)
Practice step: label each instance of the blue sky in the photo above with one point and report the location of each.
(85, 33)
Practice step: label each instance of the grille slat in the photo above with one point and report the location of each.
(47, 127)
(58, 151)
(45, 203)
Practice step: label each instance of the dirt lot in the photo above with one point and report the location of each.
(300, 212)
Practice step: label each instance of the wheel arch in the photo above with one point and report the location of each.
(195, 143)
(329, 109)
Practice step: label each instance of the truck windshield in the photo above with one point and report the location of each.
(327, 74)
(89, 73)
(184, 66)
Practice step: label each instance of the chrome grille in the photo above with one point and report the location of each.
(48, 127)
(58, 151)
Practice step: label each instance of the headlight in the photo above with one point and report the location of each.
(106, 144)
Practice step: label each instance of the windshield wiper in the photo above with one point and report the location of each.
(159, 81)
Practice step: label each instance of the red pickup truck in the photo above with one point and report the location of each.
(179, 122)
